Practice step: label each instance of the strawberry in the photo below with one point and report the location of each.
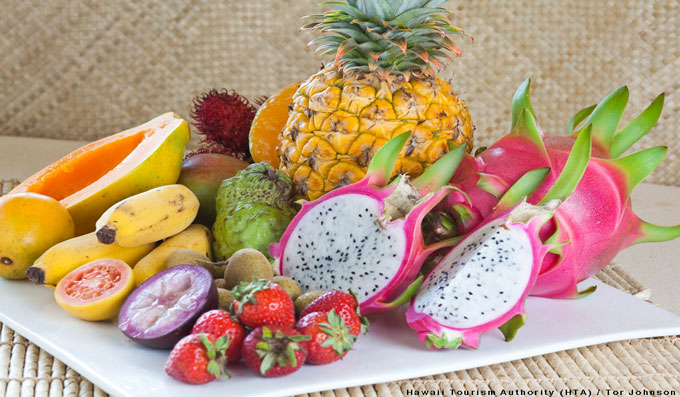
(275, 350)
(262, 302)
(331, 338)
(218, 323)
(344, 304)
(196, 359)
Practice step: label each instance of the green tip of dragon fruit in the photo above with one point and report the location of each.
(637, 128)
(513, 325)
(440, 173)
(606, 117)
(381, 165)
(637, 166)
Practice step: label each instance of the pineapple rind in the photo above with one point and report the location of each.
(339, 120)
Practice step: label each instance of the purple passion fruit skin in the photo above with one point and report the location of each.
(164, 308)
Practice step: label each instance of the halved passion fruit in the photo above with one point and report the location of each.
(164, 308)
(95, 291)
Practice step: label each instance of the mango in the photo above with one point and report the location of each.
(202, 174)
(30, 223)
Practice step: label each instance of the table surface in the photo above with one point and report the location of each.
(656, 266)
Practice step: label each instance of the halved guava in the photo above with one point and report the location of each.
(96, 290)
(164, 308)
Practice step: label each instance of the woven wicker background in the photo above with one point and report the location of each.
(85, 69)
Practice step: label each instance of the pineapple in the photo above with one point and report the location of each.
(380, 84)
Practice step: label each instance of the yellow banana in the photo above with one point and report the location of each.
(195, 237)
(148, 217)
(59, 260)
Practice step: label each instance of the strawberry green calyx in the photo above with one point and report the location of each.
(340, 339)
(381, 165)
(510, 328)
(245, 292)
(278, 349)
(216, 353)
(365, 324)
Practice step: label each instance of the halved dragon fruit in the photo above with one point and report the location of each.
(367, 236)
(587, 172)
(482, 283)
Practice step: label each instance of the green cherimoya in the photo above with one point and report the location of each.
(254, 207)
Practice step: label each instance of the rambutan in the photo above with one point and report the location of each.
(224, 119)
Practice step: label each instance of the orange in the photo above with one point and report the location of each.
(268, 124)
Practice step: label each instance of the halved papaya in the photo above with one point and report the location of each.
(91, 179)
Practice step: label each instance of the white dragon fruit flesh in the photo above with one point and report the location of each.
(481, 284)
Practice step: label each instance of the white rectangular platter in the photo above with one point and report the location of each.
(389, 352)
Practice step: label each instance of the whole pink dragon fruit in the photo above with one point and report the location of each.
(596, 220)
(367, 236)
(482, 283)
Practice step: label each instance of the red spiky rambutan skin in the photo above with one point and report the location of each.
(223, 118)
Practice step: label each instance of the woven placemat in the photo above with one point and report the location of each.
(642, 364)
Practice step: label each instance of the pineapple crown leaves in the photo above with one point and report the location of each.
(340, 339)
(216, 353)
(395, 37)
(245, 292)
(278, 349)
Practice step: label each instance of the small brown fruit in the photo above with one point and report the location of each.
(247, 264)
(305, 299)
(219, 282)
(192, 257)
(225, 299)
(292, 288)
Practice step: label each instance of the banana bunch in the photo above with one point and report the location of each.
(128, 231)
(195, 237)
(148, 217)
(66, 256)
